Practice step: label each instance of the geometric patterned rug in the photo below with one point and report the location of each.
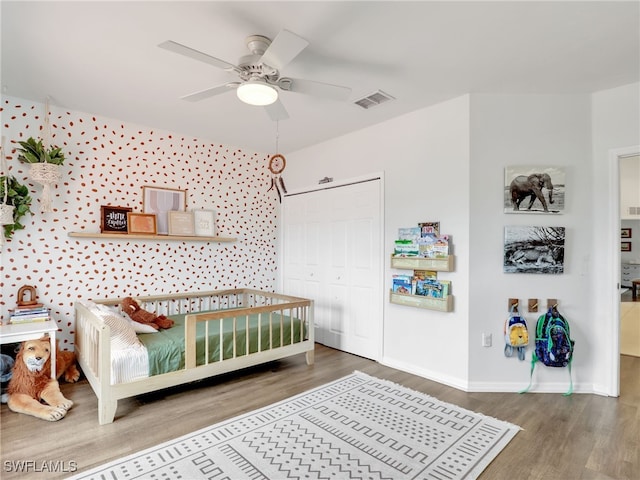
(355, 427)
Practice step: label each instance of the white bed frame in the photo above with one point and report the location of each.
(92, 339)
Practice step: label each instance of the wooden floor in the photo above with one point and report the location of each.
(577, 437)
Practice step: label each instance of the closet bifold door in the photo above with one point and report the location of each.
(332, 253)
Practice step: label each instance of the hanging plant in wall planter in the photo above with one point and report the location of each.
(17, 196)
(44, 167)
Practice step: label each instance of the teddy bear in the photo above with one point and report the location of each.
(138, 314)
(32, 391)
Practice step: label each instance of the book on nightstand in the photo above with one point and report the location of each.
(30, 314)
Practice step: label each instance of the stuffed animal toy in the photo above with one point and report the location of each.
(138, 314)
(32, 391)
(6, 369)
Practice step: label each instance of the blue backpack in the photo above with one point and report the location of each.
(553, 347)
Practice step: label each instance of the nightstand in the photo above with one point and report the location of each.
(20, 332)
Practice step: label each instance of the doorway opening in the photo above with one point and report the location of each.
(616, 157)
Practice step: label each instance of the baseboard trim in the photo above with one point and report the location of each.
(491, 387)
(450, 381)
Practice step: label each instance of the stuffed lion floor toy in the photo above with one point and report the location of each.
(32, 390)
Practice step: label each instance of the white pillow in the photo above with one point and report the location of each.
(137, 326)
(122, 333)
(141, 327)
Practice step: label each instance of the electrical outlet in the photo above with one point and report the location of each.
(486, 339)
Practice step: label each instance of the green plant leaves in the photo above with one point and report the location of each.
(33, 151)
(18, 196)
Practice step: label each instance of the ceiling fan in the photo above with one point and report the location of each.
(259, 73)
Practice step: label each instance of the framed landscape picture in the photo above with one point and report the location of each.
(113, 219)
(159, 201)
(534, 249)
(625, 246)
(534, 189)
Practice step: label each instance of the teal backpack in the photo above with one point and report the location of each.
(553, 344)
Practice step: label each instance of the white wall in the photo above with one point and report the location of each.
(447, 163)
(615, 125)
(527, 130)
(425, 157)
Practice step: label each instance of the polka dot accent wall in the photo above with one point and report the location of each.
(108, 163)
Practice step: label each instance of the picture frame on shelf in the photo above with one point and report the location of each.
(204, 223)
(625, 246)
(143, 223)
(159, 201)
(181, 223)
(113, 219)
(625, 233)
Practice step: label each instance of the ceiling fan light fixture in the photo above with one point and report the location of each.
(257, 92)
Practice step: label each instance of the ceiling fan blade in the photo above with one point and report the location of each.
(317, 89)
(276, 111)
(209, 92)
(197, 55)
(284, 48)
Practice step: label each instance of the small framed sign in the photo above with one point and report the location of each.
(204, 223)
(141, 223)
(181, 223)
(113, 219)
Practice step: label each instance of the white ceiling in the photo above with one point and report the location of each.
(102, 58)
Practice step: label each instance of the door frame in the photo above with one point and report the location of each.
(614, 255)
(379, 176)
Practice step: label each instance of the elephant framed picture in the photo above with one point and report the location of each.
(534, 189)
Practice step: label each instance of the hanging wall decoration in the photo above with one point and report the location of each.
(44, 162)
(529, 249)
(534, 189)
(277, 164)
(6, 210)
(15, 200)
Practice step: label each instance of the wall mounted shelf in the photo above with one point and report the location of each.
(138, 236)
(439, 304)
(419, 263)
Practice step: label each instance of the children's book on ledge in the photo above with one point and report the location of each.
(402, 284)
(423, 241)
(423, 283)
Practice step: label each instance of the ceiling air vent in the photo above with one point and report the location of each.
(374, 99)
(634, 210)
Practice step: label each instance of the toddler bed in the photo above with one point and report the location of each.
(214, 332)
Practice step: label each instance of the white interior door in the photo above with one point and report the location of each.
(332, 254)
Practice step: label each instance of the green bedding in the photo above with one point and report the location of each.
(166, 347)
